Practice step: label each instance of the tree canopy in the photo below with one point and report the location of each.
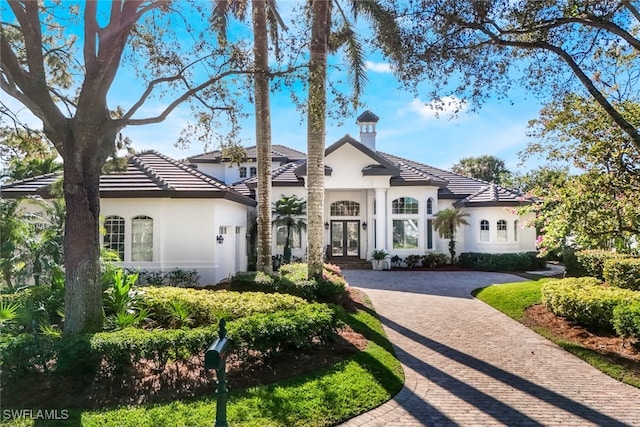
(487, 168)
(478, 49)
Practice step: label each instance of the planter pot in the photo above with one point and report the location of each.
(379, 264)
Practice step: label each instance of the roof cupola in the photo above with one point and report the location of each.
(367, 122)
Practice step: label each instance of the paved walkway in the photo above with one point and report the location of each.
(467, 364)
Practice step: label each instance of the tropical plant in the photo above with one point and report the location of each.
(289, 211)
(379, 254)
(123, 301)
(14, 230)
(8, 314)
(446, 223)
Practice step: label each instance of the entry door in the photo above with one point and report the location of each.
(345, 238)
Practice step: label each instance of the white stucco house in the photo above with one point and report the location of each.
(375, 200)
(161, 214)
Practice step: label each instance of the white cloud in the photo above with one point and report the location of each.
(378, 67)
(448, 105)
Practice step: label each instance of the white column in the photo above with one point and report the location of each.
(381, 218)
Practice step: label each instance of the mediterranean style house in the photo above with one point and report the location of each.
(161, 214)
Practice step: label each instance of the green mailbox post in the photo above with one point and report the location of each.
(215, 358)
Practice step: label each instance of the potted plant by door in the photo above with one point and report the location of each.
(379, 261)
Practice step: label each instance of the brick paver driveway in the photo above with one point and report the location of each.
(468, 364)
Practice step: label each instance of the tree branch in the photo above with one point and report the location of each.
(627, 127)
(126, 119)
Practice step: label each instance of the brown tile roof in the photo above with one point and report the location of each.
(284, 176)
(36, 186)
(492, 194)
(279, 153)
(148, 174)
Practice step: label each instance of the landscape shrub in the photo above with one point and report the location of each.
(254, 281)
(623, 273)
(433, 260)
(572, 267)
(412, 261)
(585, 301)
(626, 321)
(520, 261)
(206, 307)
(23, 352)
(177, 277)
(271, 333)
(260, 335)
(592, 261)
(292, 280)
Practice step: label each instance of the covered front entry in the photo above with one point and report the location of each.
(345, 238)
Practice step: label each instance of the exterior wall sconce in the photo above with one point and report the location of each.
(326, 225)
(220, 238)
(364, 226)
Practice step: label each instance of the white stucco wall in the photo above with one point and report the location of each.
(184, 234)
(229, 173)
(526, 236)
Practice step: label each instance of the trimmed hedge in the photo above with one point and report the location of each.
(585, 301)
(626, 321)
(623, 273)
(592, 261)
(292, 280)
(260, 335)
(521, 261)
(206, 307)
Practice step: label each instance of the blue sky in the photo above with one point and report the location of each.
(409, 127)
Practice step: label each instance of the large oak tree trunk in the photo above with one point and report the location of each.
(84, 153)
(316, 127)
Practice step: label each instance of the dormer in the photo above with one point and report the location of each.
(367, 123)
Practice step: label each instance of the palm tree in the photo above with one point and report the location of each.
(323, 42)
(316, 129)
(446, 222)
(290, 212)
(263, 12)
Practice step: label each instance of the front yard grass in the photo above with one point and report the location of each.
(513, 299)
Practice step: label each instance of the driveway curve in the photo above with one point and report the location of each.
(467, 364)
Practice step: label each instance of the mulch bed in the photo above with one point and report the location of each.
(617, 350)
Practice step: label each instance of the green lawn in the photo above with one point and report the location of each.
(513, 298)
(324, 398)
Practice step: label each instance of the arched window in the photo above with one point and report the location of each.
(502, 230)
(142, 238)
(345, 208)
(429, 206)
(406, 228)
(404, 205)
(516, 225)
(114, 235)
(484, 230)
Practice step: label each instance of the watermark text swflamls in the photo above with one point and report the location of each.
(35, 414)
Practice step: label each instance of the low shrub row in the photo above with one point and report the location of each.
(622, 273)
(430, 260)
(591, 262)
(292, 280)
(521, 261)
(586, 301)
(260, 335)
(205, 307)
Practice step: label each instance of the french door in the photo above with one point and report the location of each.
(345, 238)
